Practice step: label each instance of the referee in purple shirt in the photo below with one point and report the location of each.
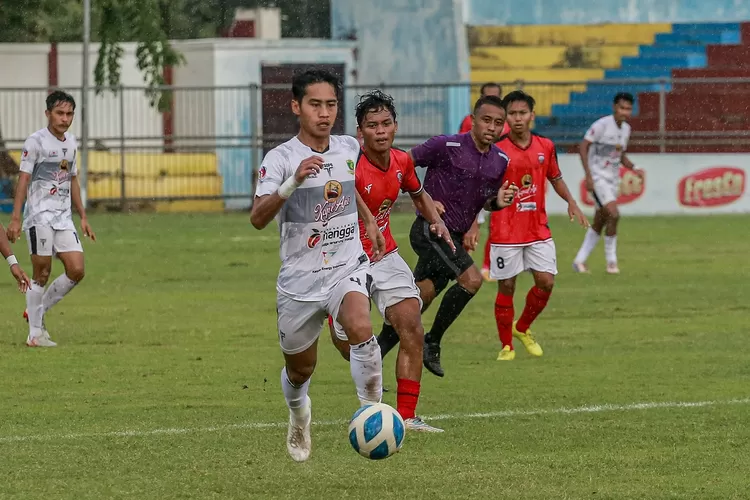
(465, 174)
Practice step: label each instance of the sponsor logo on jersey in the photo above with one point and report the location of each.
(65, 151)
(332, 235)
(385, 206)
(53, 154)
(350, 166)
(711, 187)
(527, 180)
(368, 188)
(332, 190)
(262, 173)
(64, 165)
(327, 256)
(60, 175)
(24, 154)
(630, 188)
(327, 167)
(53, 191)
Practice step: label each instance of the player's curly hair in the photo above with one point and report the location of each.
(375, 100)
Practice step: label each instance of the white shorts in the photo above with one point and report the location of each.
(299, 323)
(392, 282)
(605, 191)
(509, 261)
(46, 242)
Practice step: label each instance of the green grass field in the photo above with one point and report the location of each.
(165, 383)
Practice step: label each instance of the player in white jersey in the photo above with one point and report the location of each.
(49, 177)
(307, 184)
(602, 152)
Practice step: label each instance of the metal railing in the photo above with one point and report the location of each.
(213, 139)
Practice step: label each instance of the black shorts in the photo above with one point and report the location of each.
(437, 262)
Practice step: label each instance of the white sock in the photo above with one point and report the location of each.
(610, 249)
(34, 296)
(56, 291)
(588, 245)
(295, 396)
(367, 371)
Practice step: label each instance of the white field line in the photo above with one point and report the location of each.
(457, 416)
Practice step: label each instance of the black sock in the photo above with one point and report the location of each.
(453, 303)
(387, 339)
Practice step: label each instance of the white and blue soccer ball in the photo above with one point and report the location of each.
(376, 431)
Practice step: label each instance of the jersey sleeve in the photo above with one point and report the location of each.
(410, 183)
(274, 170)
(30, 155)
(594, 133)
(553, 170)
(74, 163)
(429, 154)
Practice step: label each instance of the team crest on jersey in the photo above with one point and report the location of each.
(541, 158)
(399, 176)
(350, 166)
(527, 180)
(385, 206)
(64, 165)
(332, 190)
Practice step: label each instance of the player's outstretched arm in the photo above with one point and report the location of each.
(23, 281)
(14, 228)
(268, 204)
(371, 228)
(427, 207)
(574, 211)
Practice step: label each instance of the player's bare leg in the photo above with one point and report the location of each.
(406, 318)
(610, 237)
(295, 382)
(453, 303)
(388, 338)
(38, 336)
(504, 315)
(365, 362)
(536, 301)
(593, 234)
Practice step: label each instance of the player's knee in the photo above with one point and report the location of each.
(299, 373)
(507, 287)
(358, 330)
(76, 274)
(471, 280)
(41, 275)
(544, 282)
(613, 214)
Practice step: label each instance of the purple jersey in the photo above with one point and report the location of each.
(459, 176)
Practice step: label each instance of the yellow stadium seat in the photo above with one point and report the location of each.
(566, 35)
(110, 188)
(496, 58)
(545, 94)
(572, 75)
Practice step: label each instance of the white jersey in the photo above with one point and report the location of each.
(51, 164)
(608, 143)
(318, 225)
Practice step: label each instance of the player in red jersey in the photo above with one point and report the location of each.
(382, 172)
(520, 237)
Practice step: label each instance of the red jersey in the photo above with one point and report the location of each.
(525, 221)
(466, 126)
(380, 189)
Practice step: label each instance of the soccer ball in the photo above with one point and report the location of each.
(376, 431)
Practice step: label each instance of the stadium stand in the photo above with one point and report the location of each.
(561, 57)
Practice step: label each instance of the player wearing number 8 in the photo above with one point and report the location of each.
(520, 237)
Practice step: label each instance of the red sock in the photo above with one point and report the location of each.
(536, 301)
(407, 395)
(486, 264)
(504, 318)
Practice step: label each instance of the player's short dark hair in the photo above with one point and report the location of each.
(623, 96)
(489, 85)
(59, 97)
(301, 81)
(492, 100)
(374, 101)
(518, 96)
